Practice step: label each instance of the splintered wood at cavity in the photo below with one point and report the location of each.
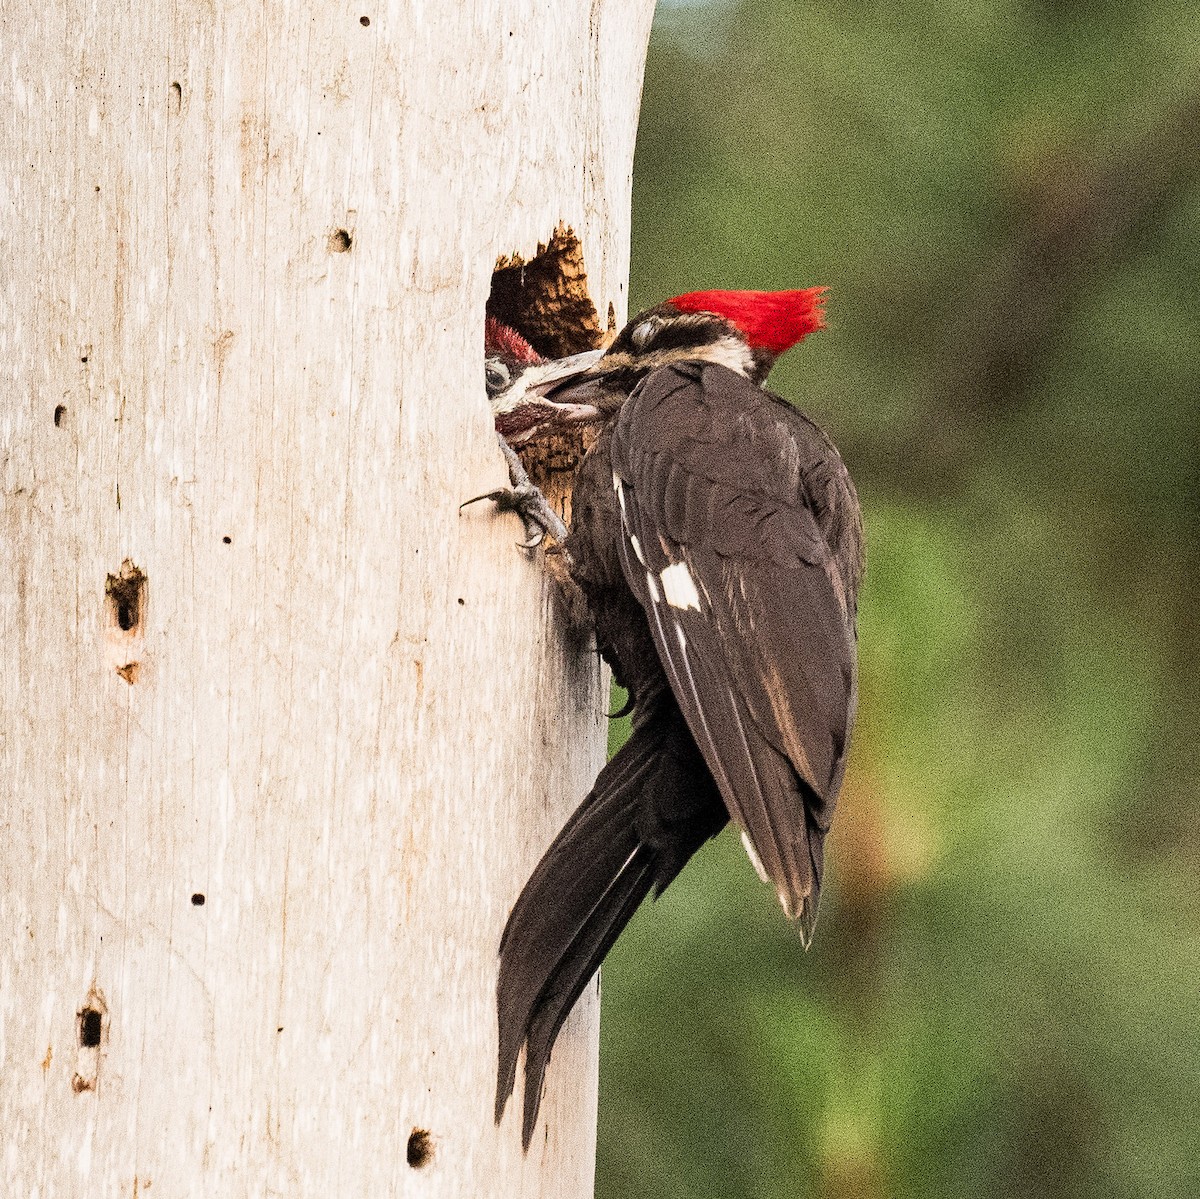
(546, 300)
(551, 463)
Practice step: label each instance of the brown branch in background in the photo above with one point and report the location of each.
(1077, 219)
(1083, 218)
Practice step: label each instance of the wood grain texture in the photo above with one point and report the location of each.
(264, 839)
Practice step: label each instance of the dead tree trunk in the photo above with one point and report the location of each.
(281, 734)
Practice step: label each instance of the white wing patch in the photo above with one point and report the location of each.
(678, 585)
(655, 594)
(637, 548)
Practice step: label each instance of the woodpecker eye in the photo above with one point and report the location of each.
(497, 376)
(643, 334)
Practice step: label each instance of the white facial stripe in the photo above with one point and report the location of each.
(730, 352)
(677, 584)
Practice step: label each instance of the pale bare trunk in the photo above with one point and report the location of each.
(260, 843)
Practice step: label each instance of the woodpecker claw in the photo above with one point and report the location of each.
(526, 501)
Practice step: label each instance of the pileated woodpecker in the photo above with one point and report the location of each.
(717, 540)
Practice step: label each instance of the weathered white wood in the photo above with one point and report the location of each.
(351, 726)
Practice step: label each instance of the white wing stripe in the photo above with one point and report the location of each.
(764, 806)
(755, 860)
(710, 742)
(703, 735)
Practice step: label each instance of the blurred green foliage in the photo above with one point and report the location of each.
(1004, 993)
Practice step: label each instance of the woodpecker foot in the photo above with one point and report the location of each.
(526, 501)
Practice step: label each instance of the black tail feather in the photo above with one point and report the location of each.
(646, 815)
(573, 975)
(565, 893)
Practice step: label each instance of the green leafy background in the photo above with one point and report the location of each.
(1003, 997)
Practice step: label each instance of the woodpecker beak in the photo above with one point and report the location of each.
(553, 387)
(526, 407)
(543, 379)
(589, 400)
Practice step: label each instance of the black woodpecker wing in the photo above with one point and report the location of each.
(740, 538)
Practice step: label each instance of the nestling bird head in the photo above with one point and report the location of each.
(745, 331)
(518, 378)
(506, 354)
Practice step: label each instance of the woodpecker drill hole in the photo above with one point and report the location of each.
(198, 900)
(420, 1148)
(91, 1022)
(226, 540)
(340, 242)
(176, 96)
(126, 597)
(364, 21)
(60, 410)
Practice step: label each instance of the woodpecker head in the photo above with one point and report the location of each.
(518, 378)
(742, 330)
(506, 354)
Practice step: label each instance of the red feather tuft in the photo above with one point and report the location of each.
(773, 321)
(499, 341)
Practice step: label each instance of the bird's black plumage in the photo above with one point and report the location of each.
(740, 540)
(716, 538)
